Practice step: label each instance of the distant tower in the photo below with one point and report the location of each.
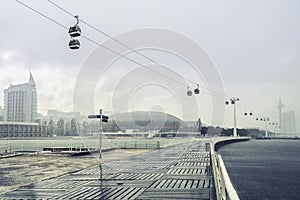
(280, 106)
(20, 102)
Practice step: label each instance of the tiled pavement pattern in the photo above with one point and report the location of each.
(176, 172)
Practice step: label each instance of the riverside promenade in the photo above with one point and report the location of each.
(186, 170)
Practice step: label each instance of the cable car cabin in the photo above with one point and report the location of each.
(197, 91)
(74, 44)
(189, 93)
(74, 31)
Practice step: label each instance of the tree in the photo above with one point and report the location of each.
(68, 128)
(51, 127)
(85, 127)
(204, 130)
(73, 127)
(60, 127)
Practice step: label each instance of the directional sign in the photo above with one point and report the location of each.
(98, 116)
(104, 117)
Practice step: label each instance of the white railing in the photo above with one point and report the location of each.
(223, 185)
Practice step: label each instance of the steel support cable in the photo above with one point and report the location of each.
(114, 39)
(97, 43)
(111, 50)
(121, 43)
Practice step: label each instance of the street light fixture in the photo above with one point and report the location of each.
(248, 113)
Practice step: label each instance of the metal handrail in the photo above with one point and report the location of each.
(223, 185)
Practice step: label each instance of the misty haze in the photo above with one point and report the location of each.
(149, 99)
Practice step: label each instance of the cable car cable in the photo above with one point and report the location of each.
(116, 40)
(97, 43)
(134, 50)
(121, 43)
(108, 49)
(34, 10)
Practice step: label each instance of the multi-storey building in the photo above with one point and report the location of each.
(289, 122)
(20, 102)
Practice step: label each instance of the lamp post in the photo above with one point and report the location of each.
(265, 119)
(275, 126)
(233, 101)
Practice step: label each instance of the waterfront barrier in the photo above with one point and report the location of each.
(223, 186)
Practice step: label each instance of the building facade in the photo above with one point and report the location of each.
(23, 129)
(20, 102)
(1, 114)
(289, 122)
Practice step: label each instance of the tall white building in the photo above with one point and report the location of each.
(289, 122)
(1, 114)
(20, 102)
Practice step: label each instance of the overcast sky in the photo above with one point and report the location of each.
(254, 44)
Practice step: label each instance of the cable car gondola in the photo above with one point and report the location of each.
(197, 91)
(74, 44)
(189, 92)
(75, 31)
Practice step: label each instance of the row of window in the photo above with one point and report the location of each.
(9, 128)
(23, 135)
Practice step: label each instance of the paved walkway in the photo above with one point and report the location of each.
(181, 171)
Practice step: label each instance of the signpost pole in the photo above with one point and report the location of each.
(100, 136)
(103, 118)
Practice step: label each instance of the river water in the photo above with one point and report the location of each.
(264, 169)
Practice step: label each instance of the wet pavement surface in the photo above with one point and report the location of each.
(182, 171)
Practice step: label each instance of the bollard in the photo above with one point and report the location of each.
(207, 147)
(157, 144)
(9, 148)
